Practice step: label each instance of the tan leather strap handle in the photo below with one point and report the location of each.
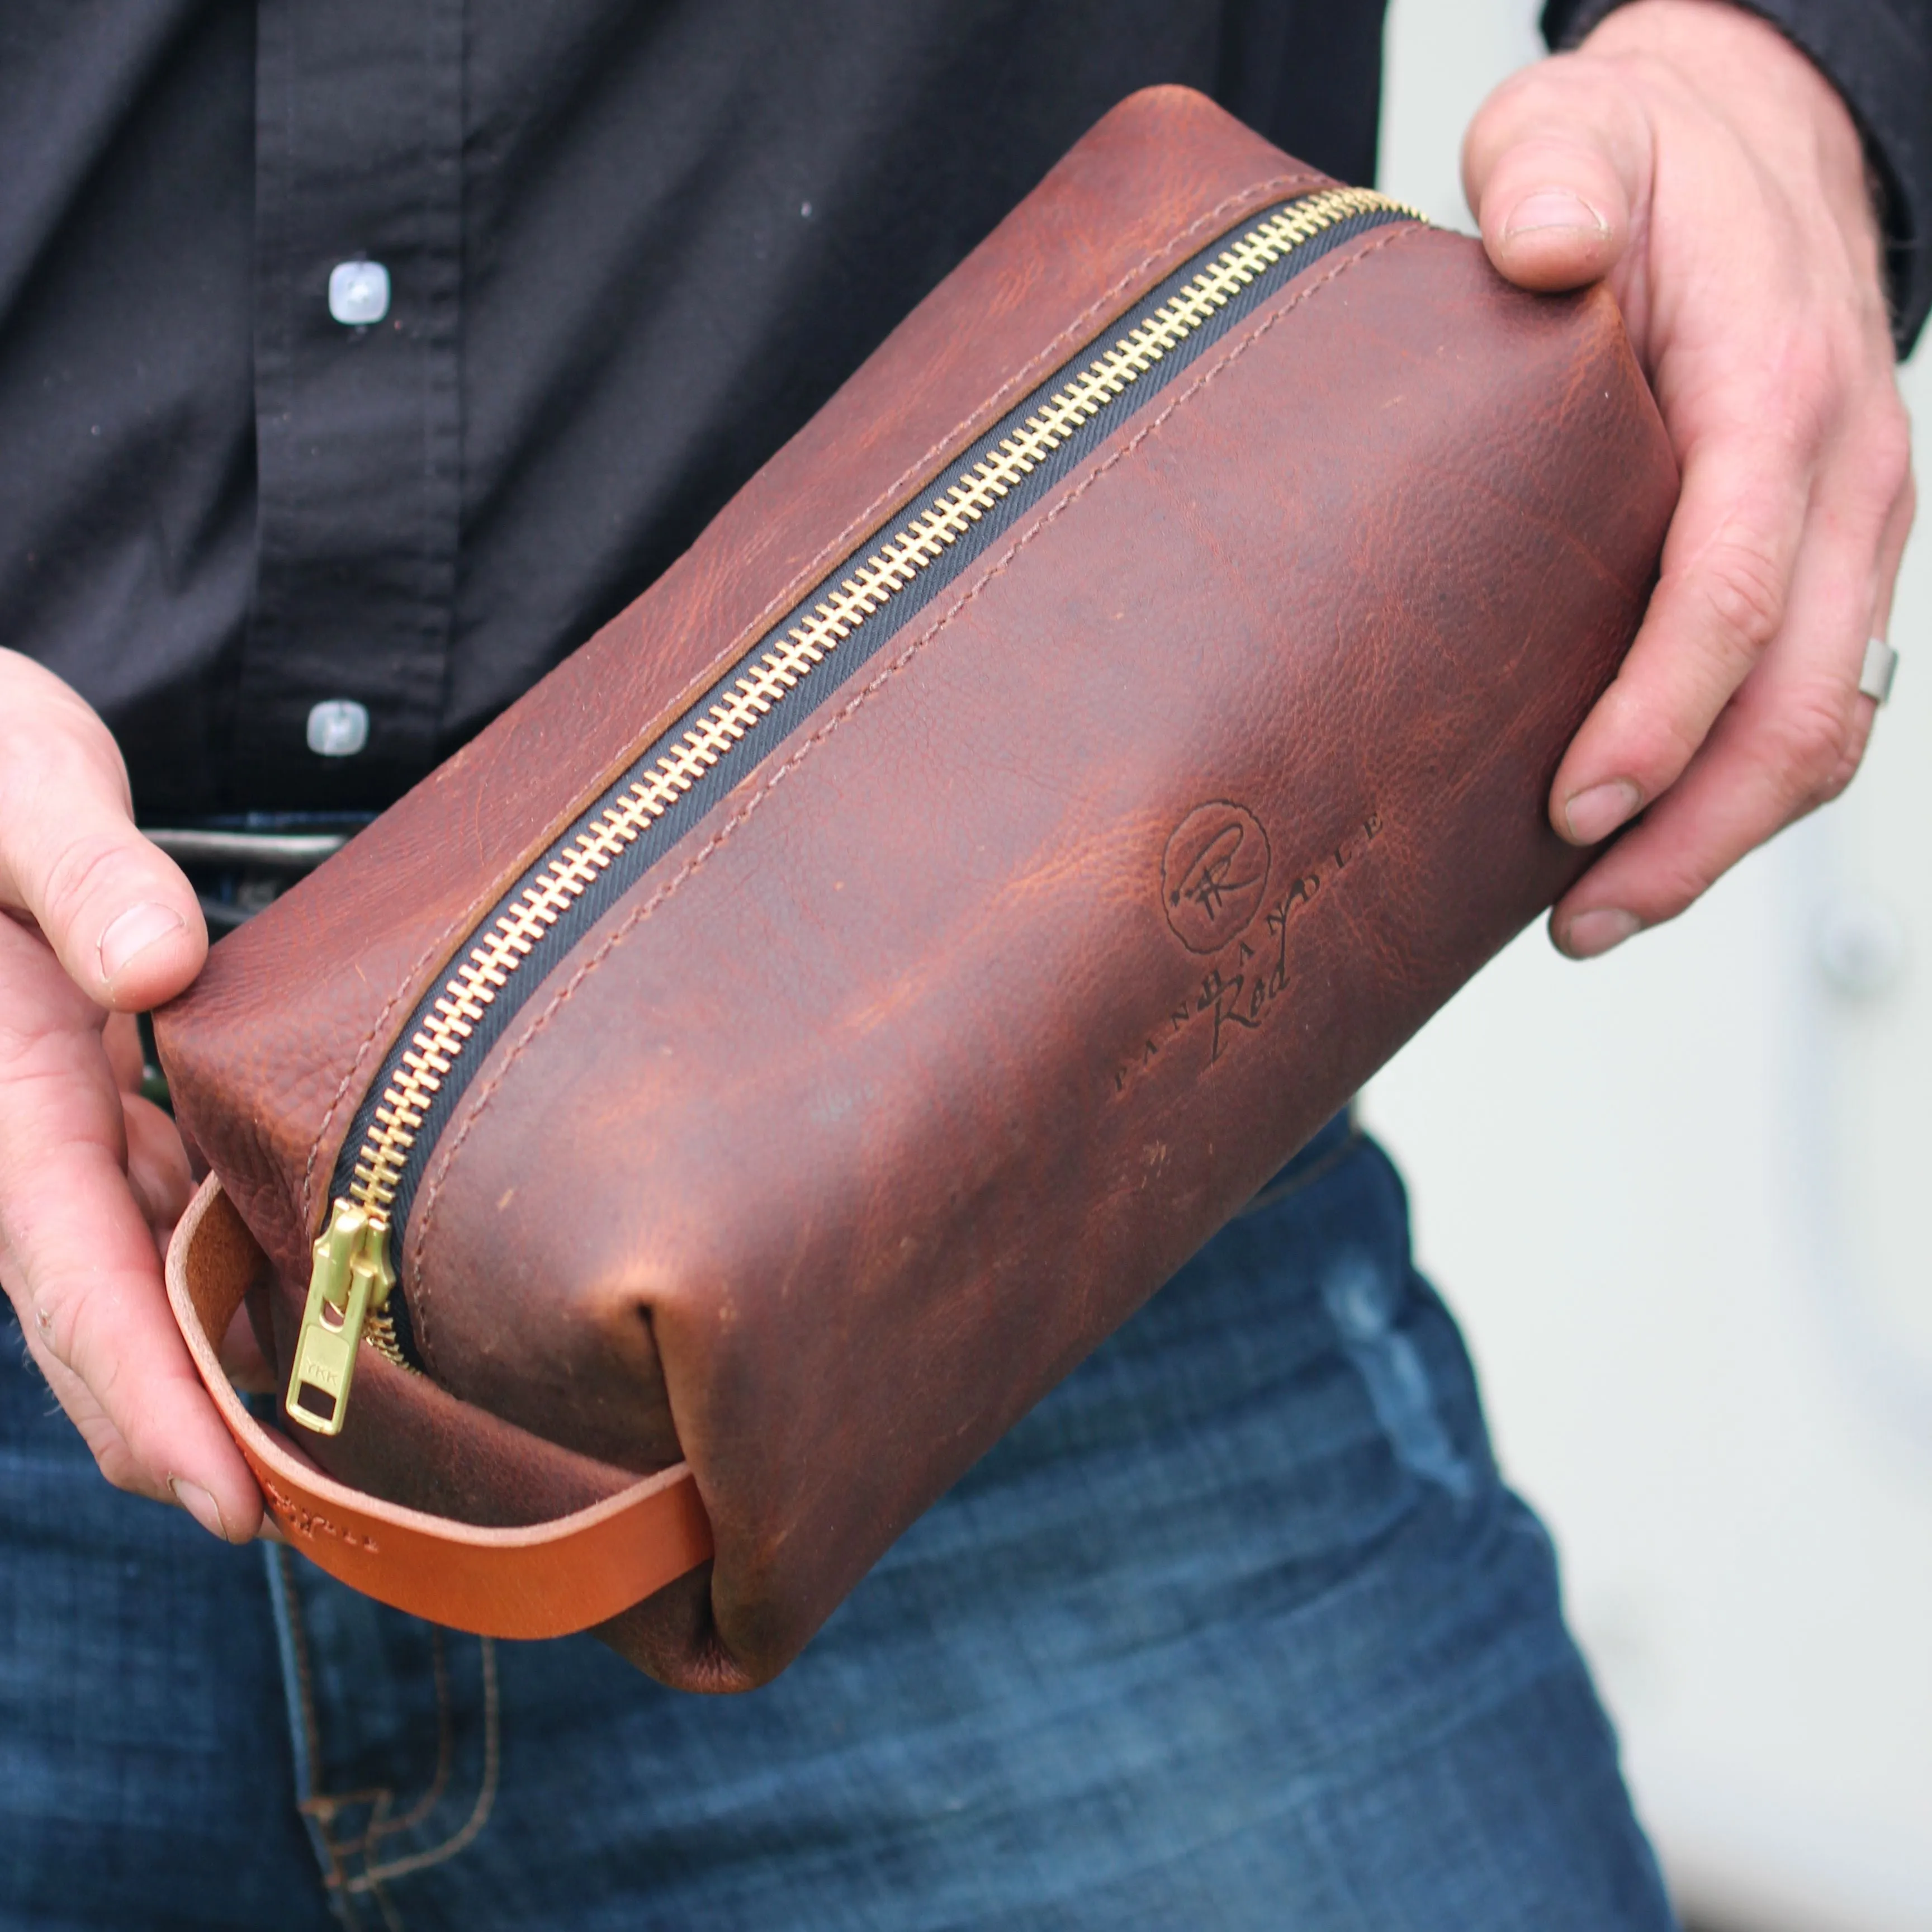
(548, 1580)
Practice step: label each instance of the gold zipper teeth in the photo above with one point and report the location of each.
(890, 567)
(378, 1332)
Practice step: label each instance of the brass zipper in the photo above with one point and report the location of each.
(351, 1278)
(350, 1292)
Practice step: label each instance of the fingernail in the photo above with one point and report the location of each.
(1590, 934)
(133, 932)
(200, 1504)
(1553, 208)
(1595, 814)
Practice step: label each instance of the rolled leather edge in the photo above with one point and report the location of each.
(548, 1579)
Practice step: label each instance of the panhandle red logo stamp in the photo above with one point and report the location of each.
(1214, 884)
(1215, 875)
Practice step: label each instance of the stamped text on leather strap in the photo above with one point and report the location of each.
(292, 1514)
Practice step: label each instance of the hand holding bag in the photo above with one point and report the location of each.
(711, 1108)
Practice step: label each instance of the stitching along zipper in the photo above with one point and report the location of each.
(784, 677)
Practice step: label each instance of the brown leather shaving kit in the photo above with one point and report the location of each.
(669, 1146)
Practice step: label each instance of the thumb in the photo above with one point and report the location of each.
(1556, 166)
(118, 914)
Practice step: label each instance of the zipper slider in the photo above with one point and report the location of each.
(351, 1281)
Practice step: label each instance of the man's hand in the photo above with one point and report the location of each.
(1689, 153)
(96, 926)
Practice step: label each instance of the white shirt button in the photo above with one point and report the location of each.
(359, 292)
(338, 727)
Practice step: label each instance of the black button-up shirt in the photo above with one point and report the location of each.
(629, 249)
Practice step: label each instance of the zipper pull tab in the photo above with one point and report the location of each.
(351, 1281)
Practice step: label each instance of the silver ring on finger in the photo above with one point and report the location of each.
(1875, 674)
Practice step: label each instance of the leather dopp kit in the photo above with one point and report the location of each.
(663, 1151)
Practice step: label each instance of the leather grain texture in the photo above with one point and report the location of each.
(979, 1004)
(1157, 179)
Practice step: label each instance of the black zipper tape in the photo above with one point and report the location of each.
(823, 683)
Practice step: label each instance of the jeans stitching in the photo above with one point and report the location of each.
(392, 1919)
(373, 1875)
(319, 1808)
(303, 1721)
(381, 1826)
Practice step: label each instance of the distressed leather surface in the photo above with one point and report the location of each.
(296, 1010)
(974, 1010)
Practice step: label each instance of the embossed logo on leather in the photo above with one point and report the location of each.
(1214, 892)
(1214, 875)
(306, 1523)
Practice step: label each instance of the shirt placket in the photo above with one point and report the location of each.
(358, 429)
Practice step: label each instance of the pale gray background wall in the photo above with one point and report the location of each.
(1679, 1197)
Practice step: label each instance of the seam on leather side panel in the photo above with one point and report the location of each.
(429, 1197)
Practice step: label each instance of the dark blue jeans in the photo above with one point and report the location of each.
(1238, 1629)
